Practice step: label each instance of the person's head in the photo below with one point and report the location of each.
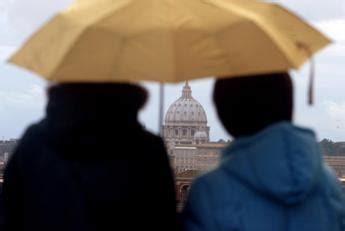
(248, 104)
(109, 98)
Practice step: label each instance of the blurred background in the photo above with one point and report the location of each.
(22, 94)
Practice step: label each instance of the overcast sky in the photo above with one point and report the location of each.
(22, 95)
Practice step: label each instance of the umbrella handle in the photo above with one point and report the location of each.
(311, 82)
(161, 108)
(311, 73)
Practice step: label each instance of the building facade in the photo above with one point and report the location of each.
(187, 137)
(185, 122)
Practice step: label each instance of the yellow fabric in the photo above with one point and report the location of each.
(167, 40)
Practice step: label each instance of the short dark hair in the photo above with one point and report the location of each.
(130, 97)
(247, 104)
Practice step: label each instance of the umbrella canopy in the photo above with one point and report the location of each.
(168, 41)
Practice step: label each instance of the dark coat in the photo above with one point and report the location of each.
(89, 165)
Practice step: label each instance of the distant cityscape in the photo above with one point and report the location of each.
(333, 152)
(6, 148)
(328, 147)
(191, 152)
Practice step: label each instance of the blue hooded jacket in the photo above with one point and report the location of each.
(274, 180)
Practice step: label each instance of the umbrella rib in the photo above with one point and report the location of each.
(117, 40)
(301, 20)
(251, 18)
(83, 31)
(63, 57)
(274, 41)
(263, 25)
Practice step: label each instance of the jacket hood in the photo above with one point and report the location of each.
(282, 162)
(91, 116)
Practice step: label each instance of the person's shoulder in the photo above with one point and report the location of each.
(333, 193)
(217, 182)
(214, 177)
(32, 136)
(219, 189)
(33, 132)
(26, 148)
(332, 184)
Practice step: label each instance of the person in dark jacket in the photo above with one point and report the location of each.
(90, 165)
(272, 176)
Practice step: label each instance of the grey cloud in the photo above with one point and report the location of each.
(32, 97)
(334, 28)
(25, 16)
(21, 103)
(5, 52)
(315, 10)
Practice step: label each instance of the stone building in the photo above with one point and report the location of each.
(2, 168)
(199, 157)
(186, 121)
(187, 137)
(337, 163)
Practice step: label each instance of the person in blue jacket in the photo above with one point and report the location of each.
(272, 176)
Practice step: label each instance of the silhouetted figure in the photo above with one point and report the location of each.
(272, 177)
(89, 165)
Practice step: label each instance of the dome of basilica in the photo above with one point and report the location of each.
(186, 109)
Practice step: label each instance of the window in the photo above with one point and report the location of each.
(184, 132)
(176, 132)
(184, 192)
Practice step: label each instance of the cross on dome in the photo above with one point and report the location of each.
(186, 91)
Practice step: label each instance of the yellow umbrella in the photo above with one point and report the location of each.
(168, 40)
